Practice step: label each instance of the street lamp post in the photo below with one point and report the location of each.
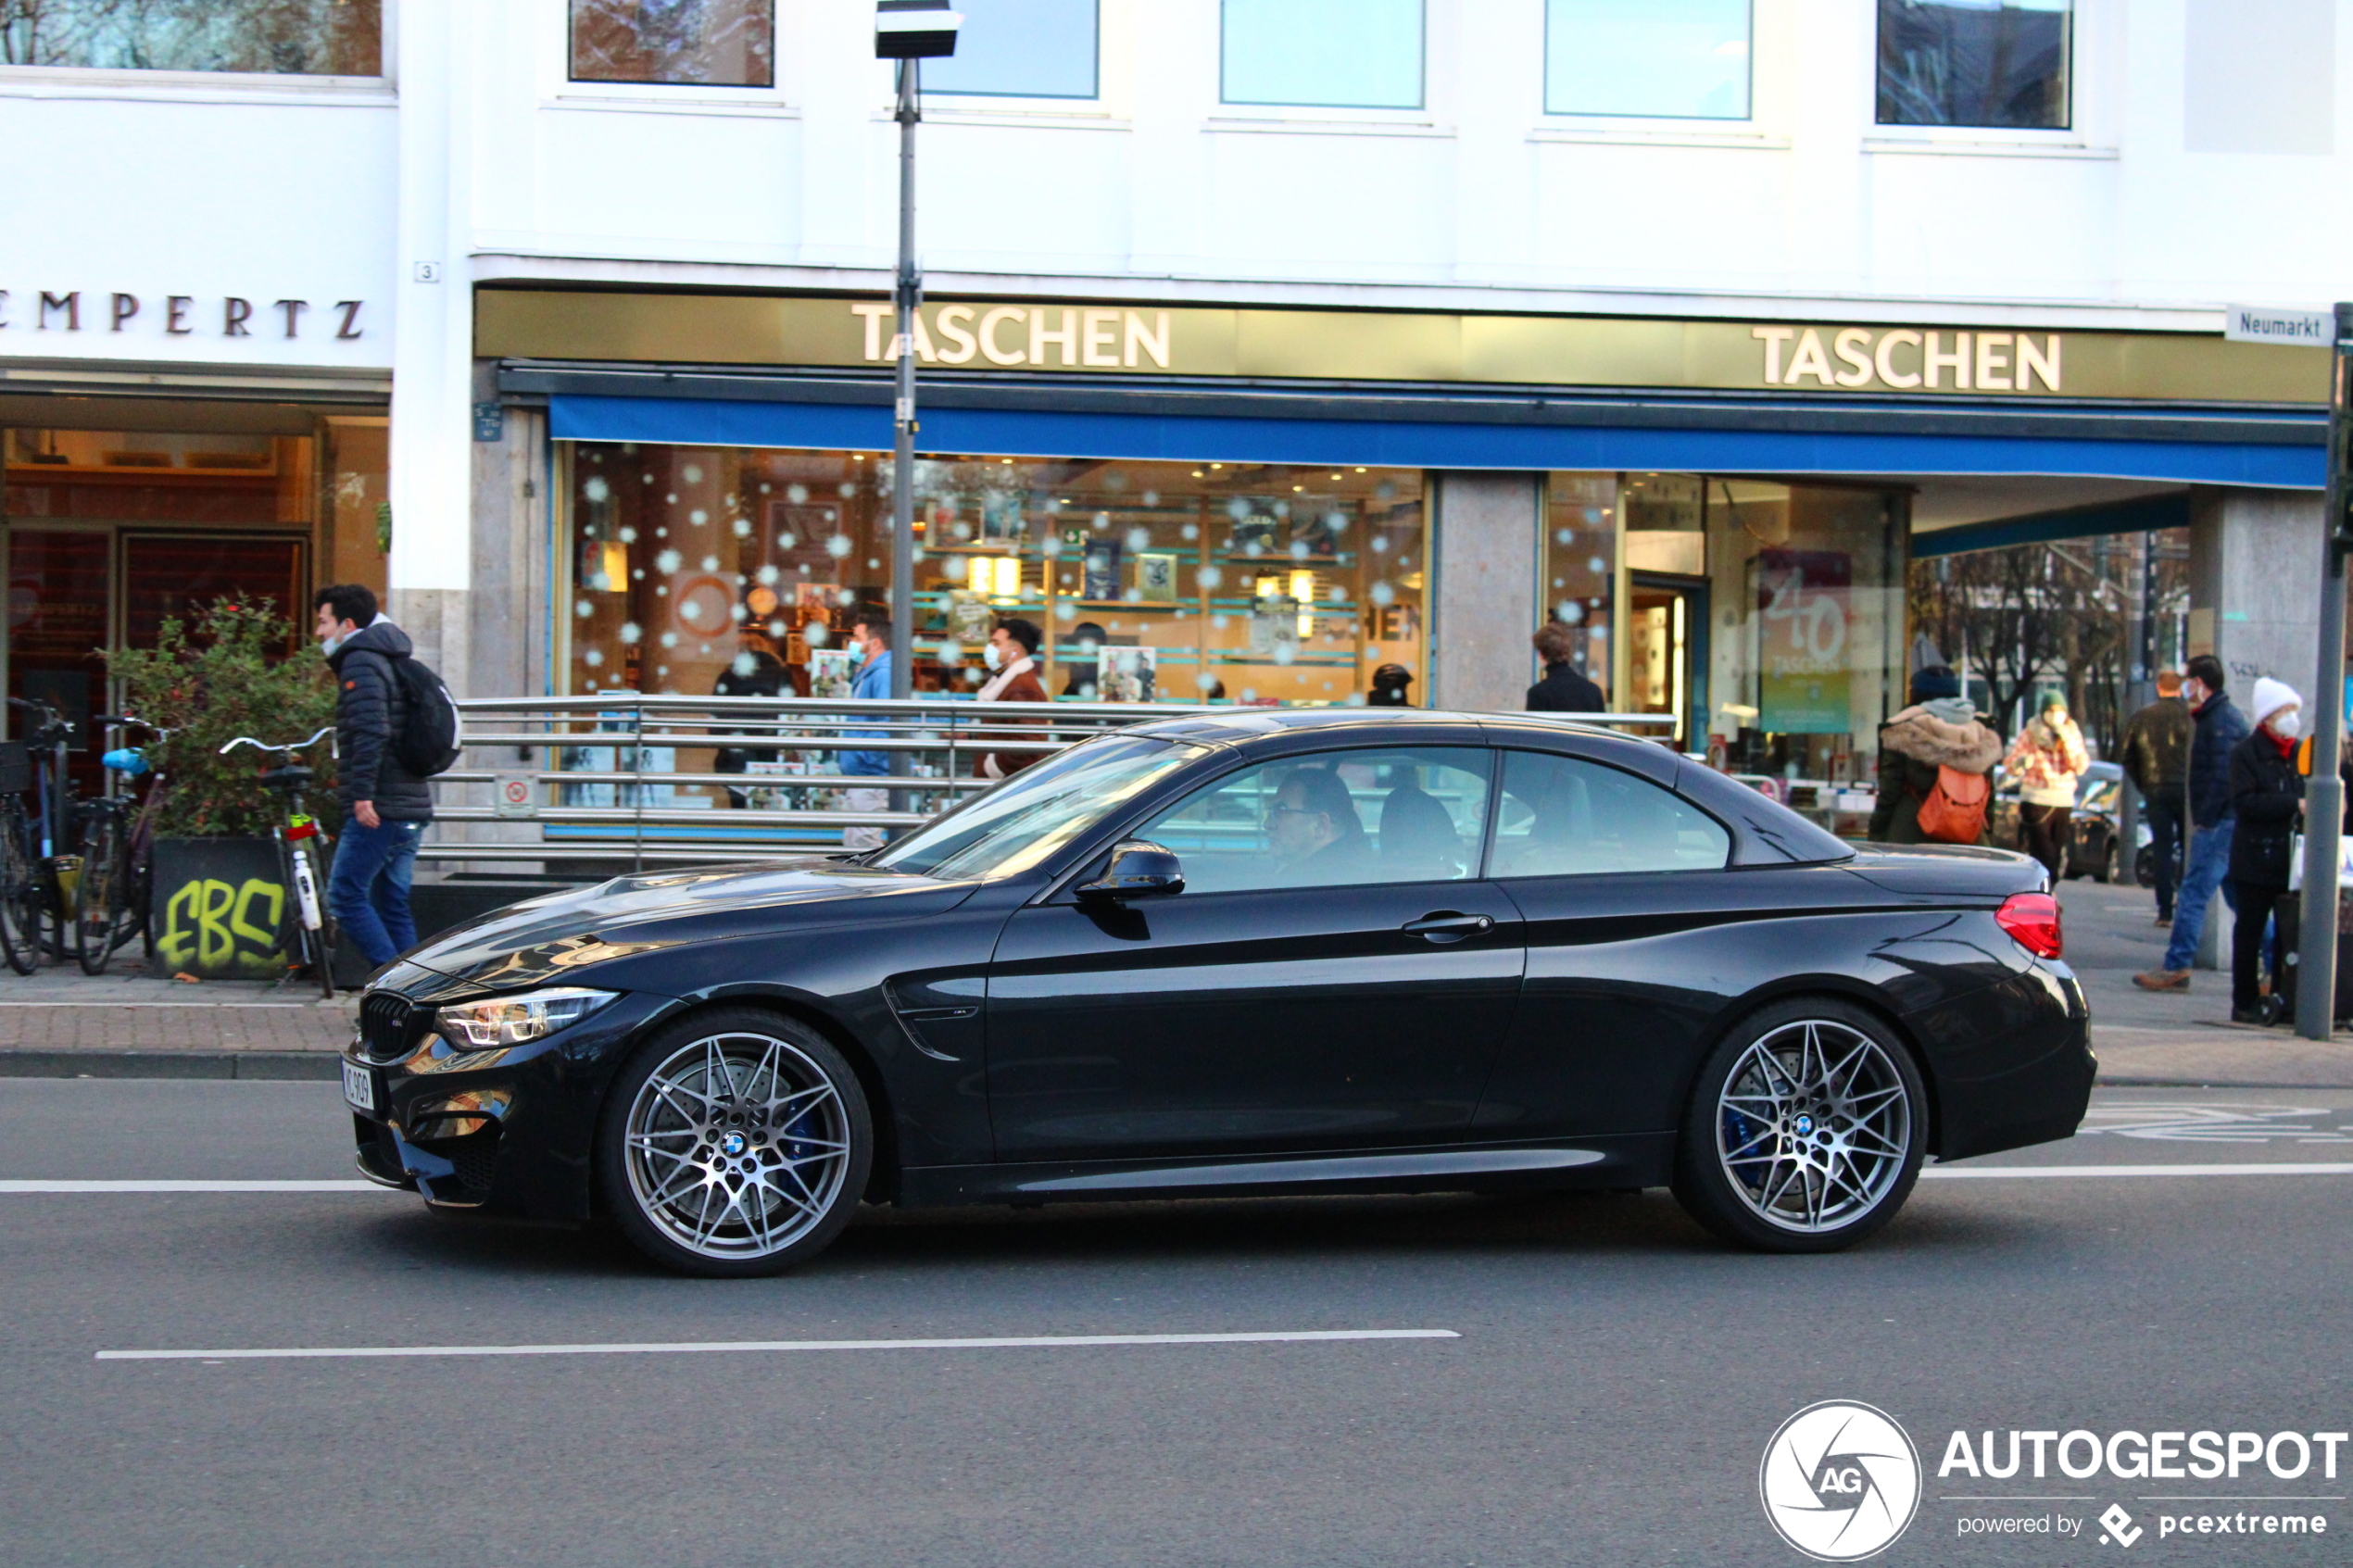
(2325, 792)
(909, 32)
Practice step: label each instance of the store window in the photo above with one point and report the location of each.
(1339, 54)
(678, 42)
(1021, 49)
(267, 37)
(1765, 620)
(1581, 567)
(1997, 63)
(1679, 59)
(1244, 584)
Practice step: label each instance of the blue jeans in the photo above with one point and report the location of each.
(2210, 860)
(369, 887)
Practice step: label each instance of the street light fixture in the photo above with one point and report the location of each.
(909, 32)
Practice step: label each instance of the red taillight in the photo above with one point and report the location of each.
(2032, 921)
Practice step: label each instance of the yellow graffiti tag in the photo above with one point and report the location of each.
(210, 922)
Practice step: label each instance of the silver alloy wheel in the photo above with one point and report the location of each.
(738, 1146)
(1814, 1126)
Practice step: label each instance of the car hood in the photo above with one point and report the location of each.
(558, 935)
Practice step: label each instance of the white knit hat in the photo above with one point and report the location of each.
(2271, 695)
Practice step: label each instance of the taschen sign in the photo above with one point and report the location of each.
(1103, 338)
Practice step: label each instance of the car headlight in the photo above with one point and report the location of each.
(512, 1021)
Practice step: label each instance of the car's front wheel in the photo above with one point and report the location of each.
(734, 1143)
(1806, 1130)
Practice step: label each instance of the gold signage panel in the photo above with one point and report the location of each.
(610, 325)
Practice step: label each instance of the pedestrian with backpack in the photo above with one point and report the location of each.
(394, 728)
(1935, 763)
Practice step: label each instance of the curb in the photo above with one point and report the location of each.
(273, 1065)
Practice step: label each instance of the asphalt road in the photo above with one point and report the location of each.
(1614, 1385)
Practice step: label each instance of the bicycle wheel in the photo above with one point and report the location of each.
(102, 911)
(310, 893)
(20, 893)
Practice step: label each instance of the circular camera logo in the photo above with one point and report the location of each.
(1839, 1481)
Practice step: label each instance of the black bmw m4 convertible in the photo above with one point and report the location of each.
(1238, 953)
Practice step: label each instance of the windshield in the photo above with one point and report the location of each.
(1038, 810)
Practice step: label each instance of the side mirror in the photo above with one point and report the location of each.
(1137, 870)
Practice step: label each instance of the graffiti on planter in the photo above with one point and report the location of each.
(217, 927)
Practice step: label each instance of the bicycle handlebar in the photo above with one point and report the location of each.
(265, 746)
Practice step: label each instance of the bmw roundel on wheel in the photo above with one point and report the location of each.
(1227, 954)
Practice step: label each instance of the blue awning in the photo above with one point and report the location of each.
(1435, 445)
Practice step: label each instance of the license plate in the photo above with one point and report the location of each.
(359, 1087)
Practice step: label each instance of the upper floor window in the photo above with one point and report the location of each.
(1335, 54)
(1679, 59)
(267, 37)
(1996, 63)
(1021, 49)
(681, 42)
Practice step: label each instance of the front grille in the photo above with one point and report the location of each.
(387, 1026)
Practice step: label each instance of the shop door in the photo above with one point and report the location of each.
(1667, 653)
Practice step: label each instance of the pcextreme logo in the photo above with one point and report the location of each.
(1841, 1481)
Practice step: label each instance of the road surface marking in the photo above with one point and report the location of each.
(1995, 1173)
(1030, 1342)
(13, 1186)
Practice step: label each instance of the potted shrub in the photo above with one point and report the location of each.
(237, 669)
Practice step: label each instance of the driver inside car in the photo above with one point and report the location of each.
(1314, 834)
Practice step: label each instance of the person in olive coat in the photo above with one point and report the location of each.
(2267, 796)
(1938, 730)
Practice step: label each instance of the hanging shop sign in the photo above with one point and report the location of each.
(1085, 338)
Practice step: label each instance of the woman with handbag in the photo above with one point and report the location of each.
(2048, 759)
(1939, 732)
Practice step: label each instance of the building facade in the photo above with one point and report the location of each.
(1266, 343)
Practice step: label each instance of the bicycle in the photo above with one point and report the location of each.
(303, 936)
(37, 880)
(116, 896)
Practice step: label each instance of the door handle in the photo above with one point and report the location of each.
(1446, 925)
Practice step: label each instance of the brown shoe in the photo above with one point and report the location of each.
(2163, 980)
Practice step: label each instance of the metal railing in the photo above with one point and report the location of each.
(625, 779)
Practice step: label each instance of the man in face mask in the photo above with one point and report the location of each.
(870, 651)
(1012, 653)
(2267, 796)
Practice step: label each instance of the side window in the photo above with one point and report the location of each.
(1563, 816)
(1334, 818)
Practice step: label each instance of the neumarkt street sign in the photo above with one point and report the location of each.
(2263, 323)
(1089, 337)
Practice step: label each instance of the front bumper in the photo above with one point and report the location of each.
(507, 1132)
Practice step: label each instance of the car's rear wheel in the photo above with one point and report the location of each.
(734, 1143)
(1806, 1130)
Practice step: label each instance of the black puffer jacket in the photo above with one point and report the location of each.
(2267, 794)
(371, 708)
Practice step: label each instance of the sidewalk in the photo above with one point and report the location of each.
(59, 1023)
(2172, 1037)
